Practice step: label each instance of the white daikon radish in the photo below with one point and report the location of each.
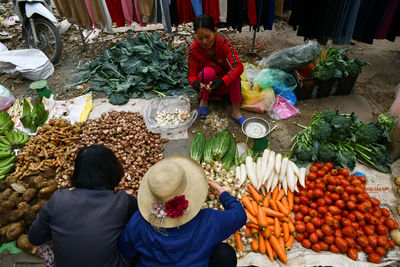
(284, 185)
(237, 173)
(295, 169)
(296, 189)
(302, 177)
(251, 171)
(275, 181)
(270, 166)
(243, 174)
(259, 177)
(264, 160)
(278, 161)
(284, 165)
(262, 190)
(290, 177)
(269, 182)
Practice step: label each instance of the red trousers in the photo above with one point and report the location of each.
(207, 75)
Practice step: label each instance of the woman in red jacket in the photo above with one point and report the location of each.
(214, 67)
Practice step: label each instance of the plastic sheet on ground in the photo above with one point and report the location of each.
(379, 185)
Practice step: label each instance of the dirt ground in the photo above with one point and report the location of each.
(375, 87)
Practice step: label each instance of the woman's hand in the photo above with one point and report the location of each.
(218, 189)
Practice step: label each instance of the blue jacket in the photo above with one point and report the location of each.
(190, 244)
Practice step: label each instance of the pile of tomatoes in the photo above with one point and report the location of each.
(334, 213)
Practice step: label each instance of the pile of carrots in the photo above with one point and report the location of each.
(269, 221)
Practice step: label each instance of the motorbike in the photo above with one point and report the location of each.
(38, 27)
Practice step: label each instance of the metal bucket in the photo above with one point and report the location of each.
(257, 130)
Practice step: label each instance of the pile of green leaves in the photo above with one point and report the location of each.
(31, 119)
(342, 139)
(332, 63)
(139, 67)
(6, 124)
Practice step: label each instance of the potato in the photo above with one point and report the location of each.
(3, 233)
(15, 197)
(49, 173)
(15, 215)
(8, 204)
(29, 194)
(395, 235)
(398, 180)
(46, 192)
(39, 205)
(23, 205)
(29, 215)
(24, 244)
(5, 194)
(14, 231)
(3, 220)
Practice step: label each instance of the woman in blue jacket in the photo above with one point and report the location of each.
(170, 228)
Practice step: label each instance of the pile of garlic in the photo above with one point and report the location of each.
(214, 122)
(166, 118)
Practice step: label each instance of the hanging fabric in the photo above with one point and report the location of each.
(388, 19)
(252, 12)
(116, 13)
(106, 14)
(347, 20)
(235, 14)
(80, 13)
(185, 11)
(223, 10)
(97, 13)
(211, 7)
(157, 16)
(146, 8)
(394, 29)
(127, 11)
(197, 7)
(90, 12)
(174, 14)
(166, 17)
(137, 12)
(64, 9)
(279, 8)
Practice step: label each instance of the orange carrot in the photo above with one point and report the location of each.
(282, 208)
(290, 199)
(273, 213)
(273, 205)
(262, 219)
(252, 225)
(266, 200)
(255, 206)
(291, 227)
(254, 244)
(261, 243)
(269, 250)
(238, 241)
(257, 196)
(289, 243)
(285, 203)
(286, 234)
(281, 194)
(269, 219)
(247, 204)
(275, 193)
(277, 247)
(281, 242)
(284, 219)
(274, 252)
(277, 228)
(291, 218)
(250, 217)
(247, 231)
(266, 232)
(253, 230)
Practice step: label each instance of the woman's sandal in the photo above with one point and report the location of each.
(203, 112)
(239, 121)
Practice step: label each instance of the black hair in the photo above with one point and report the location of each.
(203, 21)
(96, 166)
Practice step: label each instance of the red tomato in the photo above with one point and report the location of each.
(363, 196)
(310, 194)
(345, 196)
(306, 235)
(313, 238)
(351, 205)
(338, 233)
(363, 179)
(316, 222)
(307, 219)
(329, 220)
(359, 215)
(353, 198)
(374, 220)
(299, 216)
(381, 229)
(351, 217)
(360, 190)
(362, 208)
(340, 204)
(318, 193)
(337, 217)
(312, 176)
(296, 207)
(297, 200)
(310, 227)
(368, 249)
(367, 216)
(300, 227)
(334, 210)
(344, 213)
(348, 231)
(328, 200)
(334, 196)
(320, 173)
(377, 213)
(341, 244)
(326, 229)
(333, 248)
(374, 258)
(325, 168)
(329, 239)
(362, 223)
(324, 246)
(385, 212)
(359, 232)
(313, 213)
(322, 210)
(362, 241)
(375, 202)
(319, 233)
(382, 220)
(339, 189)
(316, 247)
(391, 243)
(345, 172)
(350, 189)
(304, 200)
(313, 205)
(355, 225)
(350, 242)
(336, 224)
(382, 240)
(356, 182)
(391, 224)
(331, 188)
(366, 203)
(352, 253)
(358, 247)
(368, 230)
(373, 241)
(311, 185)
(380, 251)
(304, 209)
(321, 186)
(306, 243)
(329, 165)
(299, 237)
(313, 168)
(345, 183)
(334, 172)
(345, 222)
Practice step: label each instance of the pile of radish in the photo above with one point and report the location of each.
(271, 170)
(334, 212)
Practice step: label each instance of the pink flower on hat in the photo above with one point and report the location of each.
(176, 206)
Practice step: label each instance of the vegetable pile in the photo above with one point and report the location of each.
(125, 133)
(31, 119)
(335, 213)
(342, 139)
(165, 118)
(138, 68)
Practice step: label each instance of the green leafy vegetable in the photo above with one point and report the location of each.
(35, 118)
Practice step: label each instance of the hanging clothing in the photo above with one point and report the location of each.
(252, 12)
(97, 13)
(90, 11)
(268, 14)
(173, 11)
(166, 18)
(157, 16)
(137, 12)
(368, 18)
(279, 8)
(146, 8)
(107, 17)
(197, 7)
(388, 19)
(347, 20)
(64, 9)
(185, 11)
(116, 13)
(80, 13)
(394, 29)
(235, 15)
(223, 10)
(127, 10)
(211, 7)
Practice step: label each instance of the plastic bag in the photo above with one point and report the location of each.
(275, 78)
(292, 58)
(250, 71)
(255, 99)
(281, 109)
(288, 95)
(6, 98)
(168, 104)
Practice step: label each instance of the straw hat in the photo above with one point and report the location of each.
(171, 177)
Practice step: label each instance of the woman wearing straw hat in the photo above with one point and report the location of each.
(170, 228)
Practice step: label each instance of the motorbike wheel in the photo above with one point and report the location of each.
(49, 38)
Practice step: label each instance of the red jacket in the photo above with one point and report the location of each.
(229, 66)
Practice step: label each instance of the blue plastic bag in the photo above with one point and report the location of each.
(288, 95)
(275, 78)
